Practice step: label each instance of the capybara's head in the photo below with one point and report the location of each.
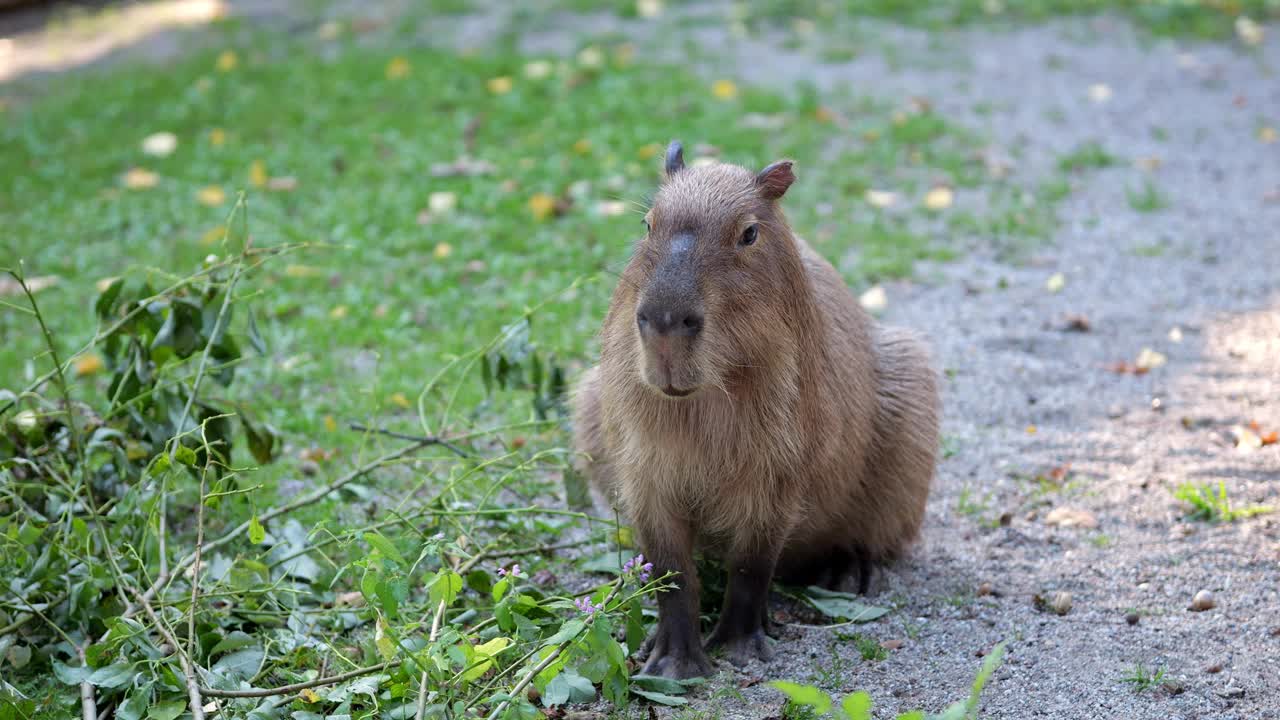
(707, 291)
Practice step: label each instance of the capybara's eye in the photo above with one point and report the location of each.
(646, 226)
(749, 235)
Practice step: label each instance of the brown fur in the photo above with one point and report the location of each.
(811, 434)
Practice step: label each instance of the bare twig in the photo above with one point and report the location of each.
(194, 699)
(298, 687)
(88, 703)
(302, 501)
(431, 439)
(435, 630)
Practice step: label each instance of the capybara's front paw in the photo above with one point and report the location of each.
(741, 647)
(678, 658)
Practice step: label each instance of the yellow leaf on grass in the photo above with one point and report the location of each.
(398, 68)
(399, 400)
(217, 137)
(302, 271)
(443, 250)
(213, 235)
(257, 173)
(88, 364)
(212, 196)
(582, 147)
(227, 61)
(542, 206)
(500, 85)
(310, 696)
(939, 198)
(140, 179)
(330, 424)
(591, 56)
(724, 89)
(338, 312)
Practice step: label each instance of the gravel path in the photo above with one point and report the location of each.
(1198, 282)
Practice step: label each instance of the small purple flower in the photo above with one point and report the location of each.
(585, 605)
(514, 571)
(637, 565)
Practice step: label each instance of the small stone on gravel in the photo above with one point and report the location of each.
(1202, 601)
(1132, 617)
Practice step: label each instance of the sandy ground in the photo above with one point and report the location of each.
(1198, 282)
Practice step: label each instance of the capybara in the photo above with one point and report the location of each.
(747, 405)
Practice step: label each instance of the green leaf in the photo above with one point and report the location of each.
(657, 683)
(256, 532)
(577, 494)
(71, 675)
(806, 695)
(989, 666)
(609, 562)
(445, 587)
(135, 705)
(107, 300)
(567, 631)
(234, 640)
(500, 589)
(389, 551)
(240, 664)
(112, 676)
(913, 715)
(856, 706)
(844, 606)
(185, 455)
(167, 710)
(255, 337)
(660, 698)
(568, 687)
(261, 439)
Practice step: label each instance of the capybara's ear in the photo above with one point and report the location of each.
(675, 158)
(774, 180)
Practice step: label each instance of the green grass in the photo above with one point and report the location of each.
(1143, 679)
(1200, 18)
(1089, 156)
(1147, 199)
(1210, 505)
(869, 649)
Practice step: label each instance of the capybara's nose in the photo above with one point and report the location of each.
(661, 320)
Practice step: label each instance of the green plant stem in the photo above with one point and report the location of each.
(298, 687)
(194, 700)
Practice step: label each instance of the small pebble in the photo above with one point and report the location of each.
(1132, 617)
(1231, 691)
(1203, 601)
(1213, 669)
(308, 468)
(1061, 602)
(985, 589)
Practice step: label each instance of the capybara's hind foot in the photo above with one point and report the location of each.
(740, 647)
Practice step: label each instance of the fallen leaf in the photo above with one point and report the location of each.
(648, 8)
(1267, 134)
(823, 114)
(591, 57)
(338, 312)
(582, 147)
(881, 198)
(1149, 359)
(724, 89)
(88, 364)
(211, 196)
(286, 183)
(257, 174)
(1031, 429)
(462, 167)
(648, 151)
(227, 61)
(1246, 440)
(1056, 282)
(1078, 323)
(442, 251)
(891, 644)
(9, 286)
(330, 424)
(399, 400)
(1249, 31)
(329, 30)
(611, 208)
(398, 68)
(1071, 518)
(874, 299)
(1148, 163)
(1099, 92)
(442, 203)
(542, 206)
(500, 85)
(537, 69)
(1270, 438)
(311, 696)
(140, 179)
(939, 198)
(161, 144)
(217, 137)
